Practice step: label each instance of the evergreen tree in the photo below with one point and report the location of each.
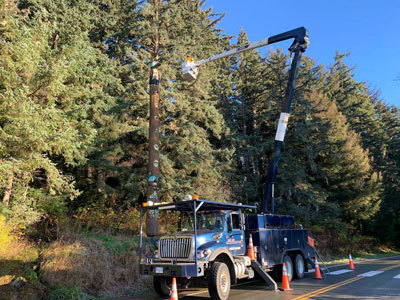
(350, 181)
(354, 102)
(56, 90)
(241, 111)
(74, 109)
(388, 218)
(191, 126)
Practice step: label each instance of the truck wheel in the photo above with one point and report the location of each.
(299, 267)
(219, 281)
(162, 285)
(289, 266)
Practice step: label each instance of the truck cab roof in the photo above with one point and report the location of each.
(200, 205)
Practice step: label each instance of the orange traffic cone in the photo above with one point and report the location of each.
(174, 291)
(285, 279)
(317, 271)
(250, 249)
(351, 264)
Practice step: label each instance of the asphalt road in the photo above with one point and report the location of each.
(372, 279)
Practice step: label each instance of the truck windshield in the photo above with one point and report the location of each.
(206, 221)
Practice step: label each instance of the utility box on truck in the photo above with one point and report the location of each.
(276, 235)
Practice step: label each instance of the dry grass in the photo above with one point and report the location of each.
(99, 264)
(18, 259)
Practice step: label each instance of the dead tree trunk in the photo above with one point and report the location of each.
(7, 193)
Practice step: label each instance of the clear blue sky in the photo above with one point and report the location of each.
(368, 29)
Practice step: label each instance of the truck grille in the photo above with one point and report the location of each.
(179, 247)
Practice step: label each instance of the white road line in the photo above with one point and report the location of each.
(365, 261)
(370, 273)
(397, 277)
(338, 272)
(310, 271)
(358, 262)
(313, 270)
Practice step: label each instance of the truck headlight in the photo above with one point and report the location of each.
(200, 254)
(203, 253)
(156, 255)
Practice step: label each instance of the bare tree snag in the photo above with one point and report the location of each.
(7, 193)
(55, 41)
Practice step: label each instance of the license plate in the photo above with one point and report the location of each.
(159, 270)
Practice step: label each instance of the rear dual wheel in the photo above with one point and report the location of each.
(289, 266)
(295, 267)
(299, 266)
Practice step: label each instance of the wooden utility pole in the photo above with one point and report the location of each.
(154, 150)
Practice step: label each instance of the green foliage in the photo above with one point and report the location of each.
(55, 87)
(389, 214)
(74, 120)
(116, 247)
(325, 176)
(66, 293)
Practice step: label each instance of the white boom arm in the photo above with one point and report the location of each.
(190, 69)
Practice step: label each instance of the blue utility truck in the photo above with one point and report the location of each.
(211, 238)
(211, 243)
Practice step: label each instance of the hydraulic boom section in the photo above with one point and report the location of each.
(190, 70)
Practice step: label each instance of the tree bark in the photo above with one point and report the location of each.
(7, 193)
(55, 41)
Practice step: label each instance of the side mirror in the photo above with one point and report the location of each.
(229, 224)
(242, 222)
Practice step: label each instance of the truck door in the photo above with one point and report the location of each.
(235, 241)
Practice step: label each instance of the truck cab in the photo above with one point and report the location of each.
(210, 242)
(209, 235)
(216, 229)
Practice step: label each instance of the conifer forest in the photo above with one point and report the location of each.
(74, 122)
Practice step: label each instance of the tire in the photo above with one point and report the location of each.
(219, 281)
(162, 285)
(289, 266)
(299, 267)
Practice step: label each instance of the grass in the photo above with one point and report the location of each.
(18, 263)
(97, 263)
(65, 293)
(362, 256)
(79, 265)
(114, 245)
